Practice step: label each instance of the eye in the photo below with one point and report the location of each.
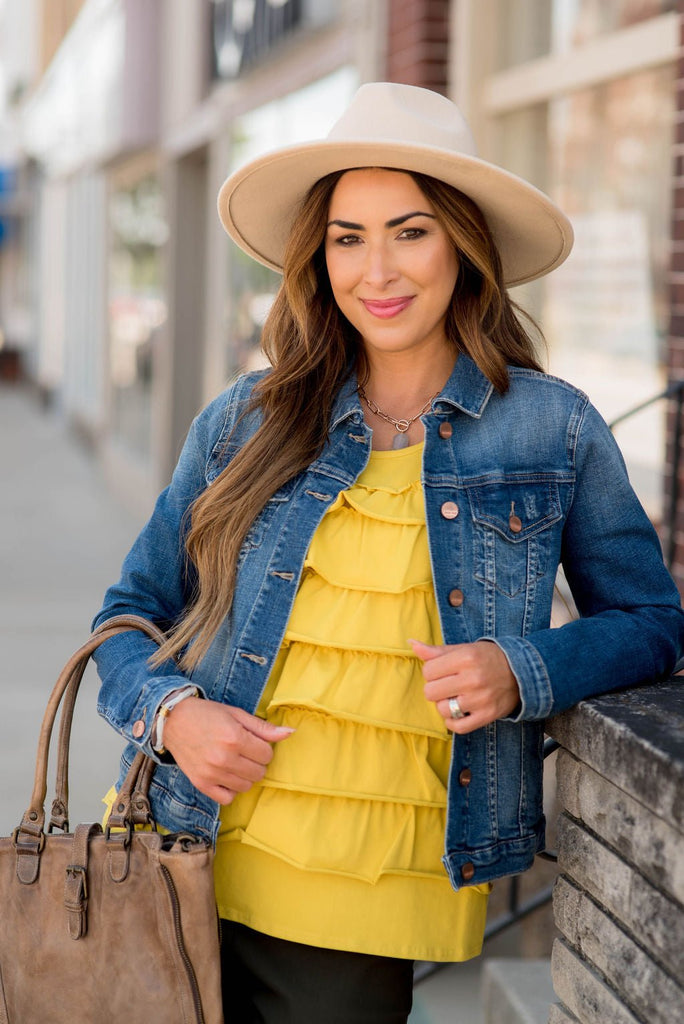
(412, 233)
(346, 240)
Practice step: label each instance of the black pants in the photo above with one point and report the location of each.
(272, 981)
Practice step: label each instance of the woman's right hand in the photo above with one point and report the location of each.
(223, 750)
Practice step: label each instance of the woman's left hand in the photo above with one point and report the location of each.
(477, 675)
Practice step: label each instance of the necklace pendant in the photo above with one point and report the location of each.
(400, 441)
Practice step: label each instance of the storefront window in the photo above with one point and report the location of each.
(529, 29)
(253, 289)
(137, 308)
(298, 117)
(606, 154)
(245, 31)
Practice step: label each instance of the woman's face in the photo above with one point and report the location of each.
(391, 264)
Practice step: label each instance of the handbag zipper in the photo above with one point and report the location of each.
(187, 963)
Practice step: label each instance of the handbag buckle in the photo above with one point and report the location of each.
(119, 834)
(29, 843)
(78, 871)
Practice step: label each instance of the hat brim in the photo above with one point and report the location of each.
(257, 204)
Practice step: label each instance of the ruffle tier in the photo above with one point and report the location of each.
(282, 822)
(376, 688)
(380, 621)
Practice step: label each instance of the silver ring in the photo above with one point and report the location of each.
(455, 708)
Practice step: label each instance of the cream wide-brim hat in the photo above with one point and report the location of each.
(404, 128)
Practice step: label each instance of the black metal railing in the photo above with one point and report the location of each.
(674, 390)
(519, 909)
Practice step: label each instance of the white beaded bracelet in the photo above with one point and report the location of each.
(165, 709)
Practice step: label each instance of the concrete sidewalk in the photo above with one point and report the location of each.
(62, 539)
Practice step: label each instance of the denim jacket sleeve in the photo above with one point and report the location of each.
(631, 625)
(156, 582)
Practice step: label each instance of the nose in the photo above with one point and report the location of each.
(379, 266)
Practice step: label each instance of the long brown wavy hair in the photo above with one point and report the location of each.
(313, 348)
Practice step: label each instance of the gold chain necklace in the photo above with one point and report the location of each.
(401, 426)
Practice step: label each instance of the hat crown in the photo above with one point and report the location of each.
(404, 114)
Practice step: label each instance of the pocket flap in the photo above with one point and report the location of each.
(516, 509)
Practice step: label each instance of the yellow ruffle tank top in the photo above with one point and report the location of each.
(340, 845)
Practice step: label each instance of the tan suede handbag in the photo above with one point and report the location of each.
(104, 926)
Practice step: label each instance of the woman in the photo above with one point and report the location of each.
(355, 561)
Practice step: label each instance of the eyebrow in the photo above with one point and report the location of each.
(394, 223)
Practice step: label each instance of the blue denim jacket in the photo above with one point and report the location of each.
(535, 479)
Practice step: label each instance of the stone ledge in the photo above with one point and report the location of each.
(583, 992)
(625, 824)
(641, 908)
(628, 968)
(619, 902)
(634, 737)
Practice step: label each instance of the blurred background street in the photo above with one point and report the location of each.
(62, 539)
(124, 308)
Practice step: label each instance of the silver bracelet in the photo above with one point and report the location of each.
(165, 709)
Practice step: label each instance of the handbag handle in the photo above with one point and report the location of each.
(59, 816)
(29, 836)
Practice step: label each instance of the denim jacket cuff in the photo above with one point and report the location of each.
(527, 665)
(138, 729)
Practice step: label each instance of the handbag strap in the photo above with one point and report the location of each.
(59, 816)
(29, 836)
(76, 880)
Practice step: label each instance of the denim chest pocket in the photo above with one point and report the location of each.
(512, 532)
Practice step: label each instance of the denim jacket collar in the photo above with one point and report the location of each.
(347, 402)
(467, 389)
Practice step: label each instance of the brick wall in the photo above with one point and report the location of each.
(676, 333)
(418, 43)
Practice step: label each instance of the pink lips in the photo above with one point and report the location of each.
(386, 308)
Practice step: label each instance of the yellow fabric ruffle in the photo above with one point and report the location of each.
(420, 920)
(350, 815)
(347, 832)
(355, 614)
(361, 686)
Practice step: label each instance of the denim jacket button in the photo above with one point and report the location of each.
(449, 510)
(465, 777)
(138, 729)
(467, 871)
(456, 598)
(515, 524)
(445, 430)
